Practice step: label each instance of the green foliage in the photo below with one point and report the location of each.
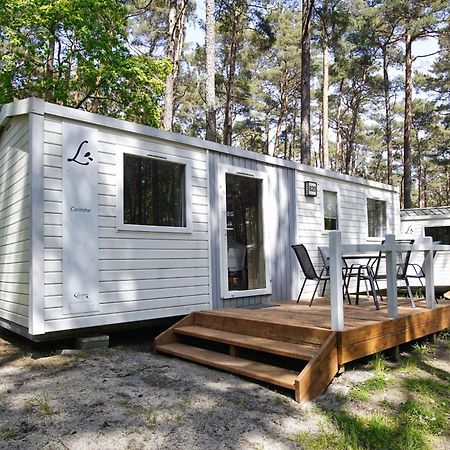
(7, 434)
(414, 411)
(364, 391)
(74, 52)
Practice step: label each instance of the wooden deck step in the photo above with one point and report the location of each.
(251, 369)
(291, 350)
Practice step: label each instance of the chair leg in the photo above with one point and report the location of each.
(301, 290)
(324, 287)
(346, 285)
(374, 293)
(408, 287)
(367, 288)
(358, 283)
(314, 293)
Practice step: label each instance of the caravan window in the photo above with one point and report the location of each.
(441, 234)
(153, 192)
(376, 217)
(330, 210)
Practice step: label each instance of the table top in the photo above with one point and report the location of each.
(360, 256)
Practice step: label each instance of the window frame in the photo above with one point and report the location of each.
(326, 188)
(225, 293)
(120, 224)
(382, 236)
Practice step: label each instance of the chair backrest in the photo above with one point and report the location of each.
(236, 257)
(305, 261)
(325, 255)
(423, 263)
(402, 259)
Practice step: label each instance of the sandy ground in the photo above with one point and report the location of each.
(126, 396)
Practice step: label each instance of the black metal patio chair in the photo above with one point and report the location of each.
(346, 271)
(374, 273)
(417, 271)
(309, 270)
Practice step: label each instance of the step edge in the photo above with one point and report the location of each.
(243, 372)
(229, 341)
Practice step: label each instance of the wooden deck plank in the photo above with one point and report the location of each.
(259, 371)
(277, 347)
(363, 333)
(359, 349)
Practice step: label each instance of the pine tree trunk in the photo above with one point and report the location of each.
(388, 118)
(339, 156)
(326, 159)
(228, 119)
(407, 198)
(211, 125)
(177, 13)
(50, 66)
(305, 109)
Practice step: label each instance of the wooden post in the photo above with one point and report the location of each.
(391, 276)
(337, 303)
(428, 268)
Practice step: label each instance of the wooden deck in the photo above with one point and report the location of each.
(292, 345)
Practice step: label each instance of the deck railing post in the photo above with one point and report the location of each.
(391, 275)
(428, 268)
(336, 296)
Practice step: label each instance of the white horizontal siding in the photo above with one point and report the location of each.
(142, 275)
(14, 222)
(352, 216)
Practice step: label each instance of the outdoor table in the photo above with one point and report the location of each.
(350, 267)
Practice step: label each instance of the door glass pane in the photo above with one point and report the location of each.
(245, 237)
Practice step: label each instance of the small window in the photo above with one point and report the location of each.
(376, 217)
(441, 234)
(330, 210)
(153, 192)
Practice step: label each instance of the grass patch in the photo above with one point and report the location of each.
(379, 363)
(324, 441)
(428, 387)
(42, 404)
(422, 349)
(423, 417)
(364, 391)
(150, 416)
(278, 400)
(412, 416)
(238, 401)
(7, 434)
(373, 431)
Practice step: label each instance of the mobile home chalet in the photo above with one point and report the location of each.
(107, 222)
(417, 223)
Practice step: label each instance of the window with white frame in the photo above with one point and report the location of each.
(154, 192)
(376, 217)
(330, 210)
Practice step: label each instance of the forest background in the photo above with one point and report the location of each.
(336, 84)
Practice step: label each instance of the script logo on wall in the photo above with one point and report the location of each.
(80, 219)
(87, 156)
